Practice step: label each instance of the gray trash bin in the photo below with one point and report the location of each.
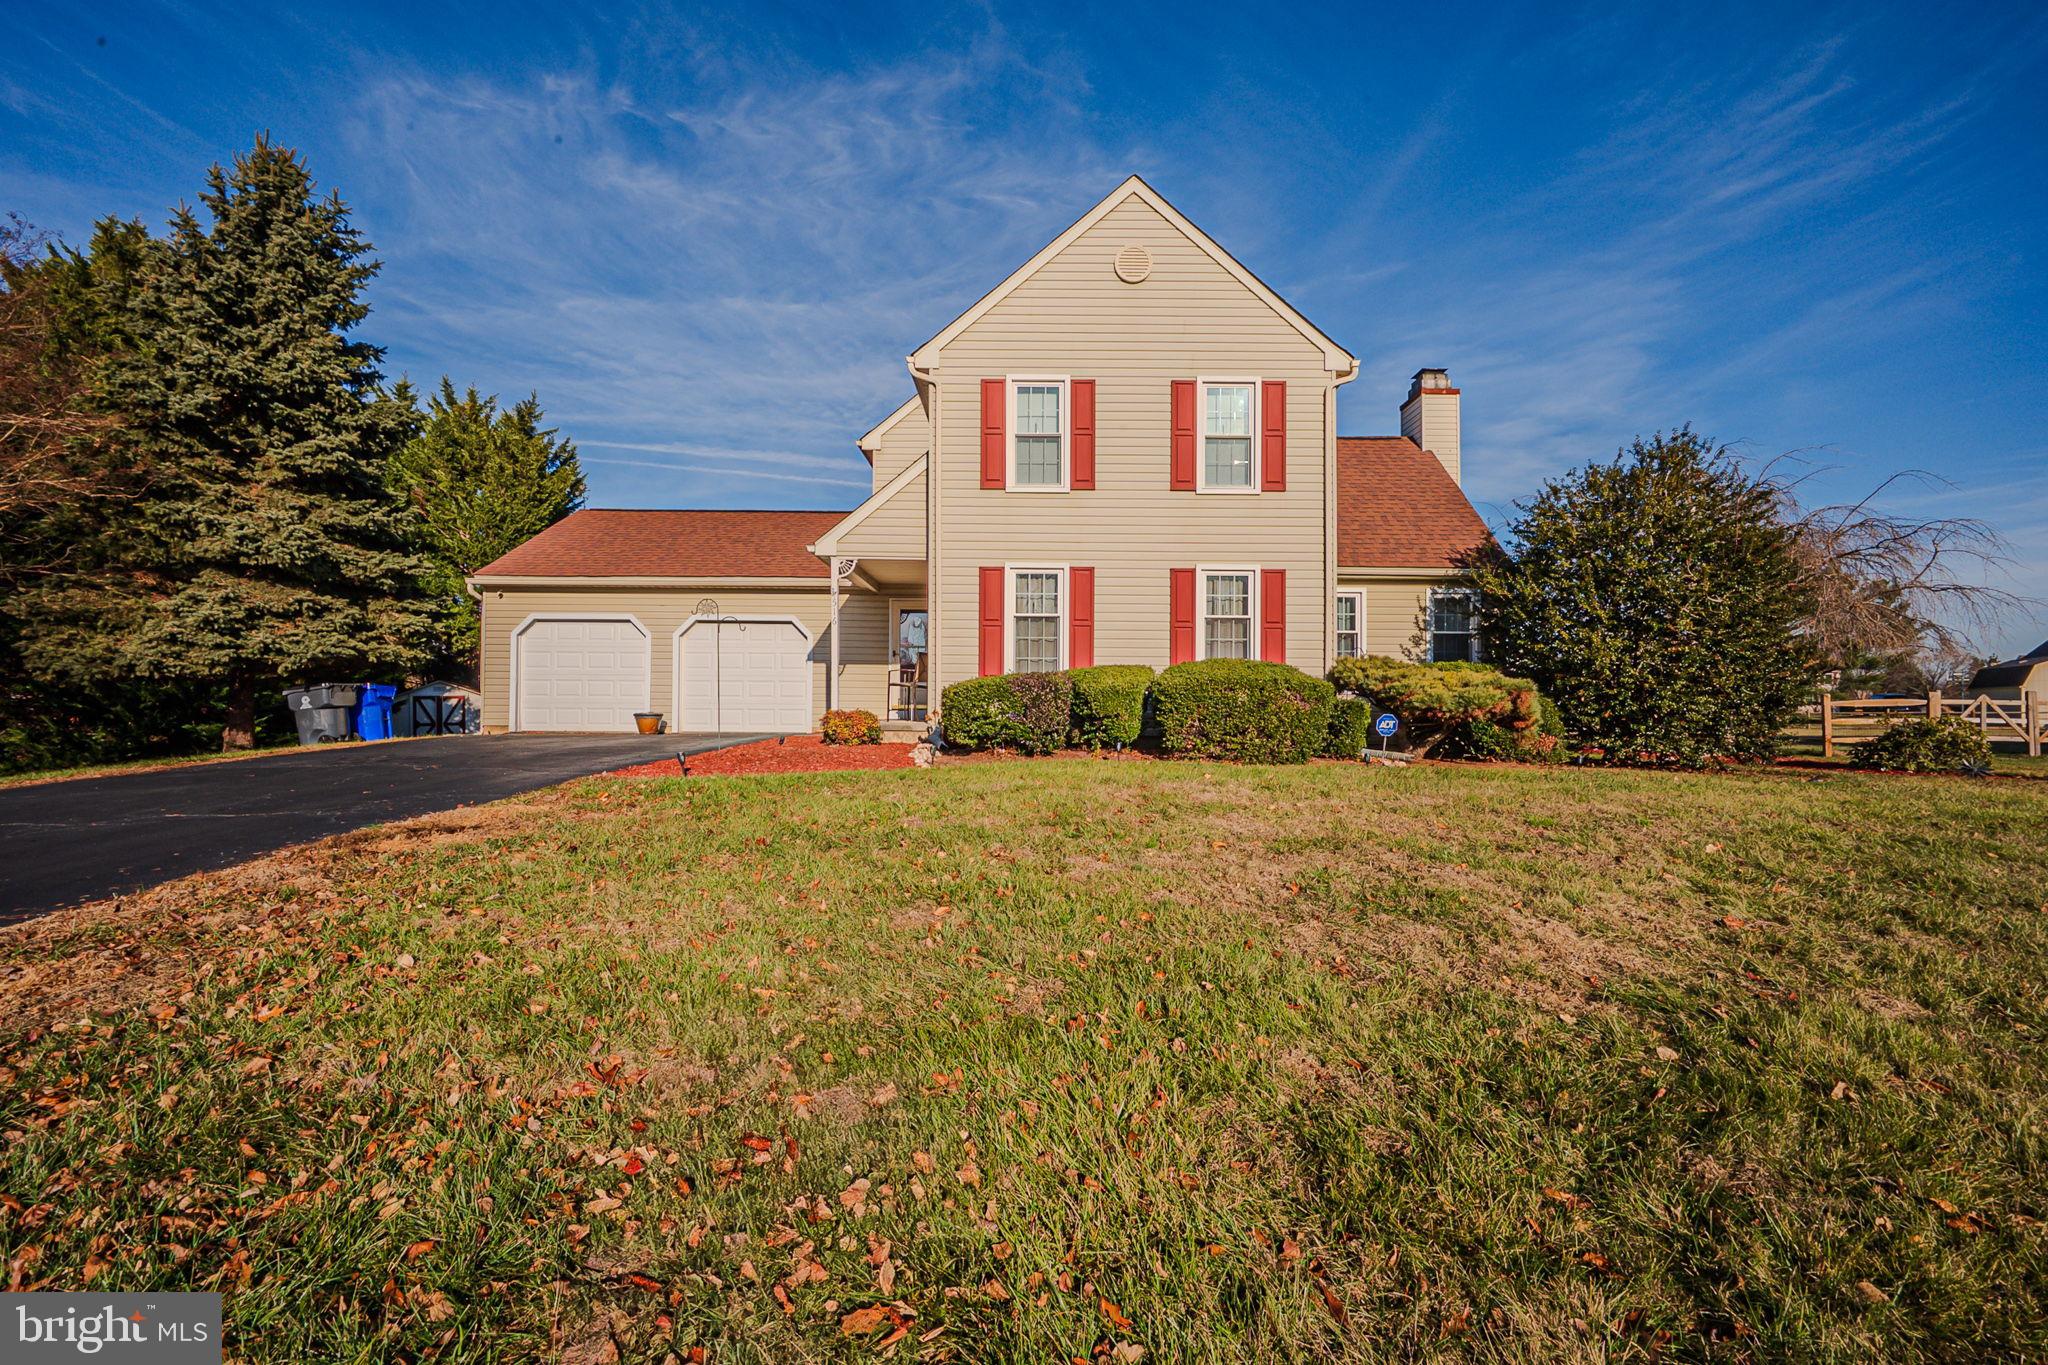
(322, 712)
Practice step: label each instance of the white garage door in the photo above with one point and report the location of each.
(581, 675)
(745, 677)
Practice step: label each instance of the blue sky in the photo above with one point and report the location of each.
(708, 238)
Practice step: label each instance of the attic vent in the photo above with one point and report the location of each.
(1133, 264)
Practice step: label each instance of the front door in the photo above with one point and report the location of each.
(907, 700)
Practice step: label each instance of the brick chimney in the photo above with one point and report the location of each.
(1430, 418)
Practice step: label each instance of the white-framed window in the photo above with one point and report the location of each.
(1453, 627)
(1037, 635)
(1350, 624)
(1228, 413)
(1227, 601)
(1041, 429)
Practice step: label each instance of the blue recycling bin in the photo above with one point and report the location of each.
(373, 711)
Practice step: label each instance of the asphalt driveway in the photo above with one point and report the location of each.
(66, 842)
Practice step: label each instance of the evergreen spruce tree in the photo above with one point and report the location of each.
(262, 546)
(477, 481)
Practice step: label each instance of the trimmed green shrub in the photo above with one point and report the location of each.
(1921, 745)
(850, 727)
(1243, 710)
(1491, 740)
(1045, 702)
(1438, 701)
(1027, 712)
(1109, 704)
(1350, 727)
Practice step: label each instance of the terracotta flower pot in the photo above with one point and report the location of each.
(648, 721)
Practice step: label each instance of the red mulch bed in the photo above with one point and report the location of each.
(797, 754)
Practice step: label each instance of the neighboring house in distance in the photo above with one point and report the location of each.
(1123, 453)
(2011, 679)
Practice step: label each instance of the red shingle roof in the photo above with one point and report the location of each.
(1397, 508)
(607, 543)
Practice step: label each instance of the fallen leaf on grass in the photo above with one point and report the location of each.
(1115, 1315)
(863, 1321)
(1871, 1292)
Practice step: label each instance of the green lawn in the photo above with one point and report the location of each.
(1061, 1060)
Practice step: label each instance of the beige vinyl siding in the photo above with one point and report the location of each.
(1394, 622)
(894, 530)
(864, 652)
(1191, 319)
(902, 444)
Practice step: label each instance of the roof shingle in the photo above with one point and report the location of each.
(1398, 509)
(610, 543)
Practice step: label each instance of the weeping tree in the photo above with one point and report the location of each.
(260, 545)
(1895, 597)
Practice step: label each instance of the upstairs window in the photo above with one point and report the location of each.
(1453, 627)
(1350, 624)
(1037, 611)
(1229, 418)
(1227, 613)
(1038, 449)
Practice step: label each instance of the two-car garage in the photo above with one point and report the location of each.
(718, 622)
(592, 673)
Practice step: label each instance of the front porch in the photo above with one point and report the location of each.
(899, 585)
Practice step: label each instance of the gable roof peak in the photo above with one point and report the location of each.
(1336, 359)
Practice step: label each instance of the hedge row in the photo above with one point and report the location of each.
(1248, 711)
(1222, 708)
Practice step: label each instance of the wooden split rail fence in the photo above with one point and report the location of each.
(2023, 718)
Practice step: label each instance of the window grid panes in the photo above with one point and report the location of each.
(1038, 434)
(1452, 633)
(1227, 616)
(1227, 436)
(1347, 626)
(1035, 647)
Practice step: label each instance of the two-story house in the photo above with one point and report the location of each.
(1125, 452)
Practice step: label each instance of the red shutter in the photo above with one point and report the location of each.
(1181, 608)
(991, 619)
(1184, 437)
(1273, 407)
(995, 460)
(1080, 618)
(1273, 615)
(1084, 434)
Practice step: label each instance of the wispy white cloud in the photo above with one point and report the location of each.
(736, 264)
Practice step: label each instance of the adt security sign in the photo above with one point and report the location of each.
(1387, 723)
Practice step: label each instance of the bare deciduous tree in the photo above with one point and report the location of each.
(1889, 584)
